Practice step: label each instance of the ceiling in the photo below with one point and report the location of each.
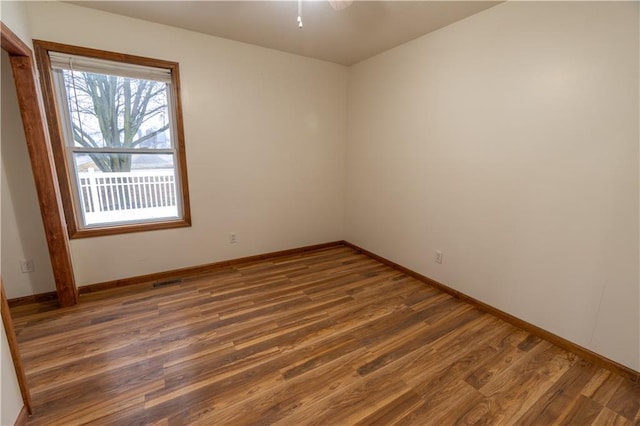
(348, 36)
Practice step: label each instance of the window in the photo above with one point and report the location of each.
(117, 138)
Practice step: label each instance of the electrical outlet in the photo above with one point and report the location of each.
(232, 238)
(438, 257)
(26, 265)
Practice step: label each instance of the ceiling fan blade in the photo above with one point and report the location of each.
(340, 4)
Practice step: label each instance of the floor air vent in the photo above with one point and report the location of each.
(166, 283)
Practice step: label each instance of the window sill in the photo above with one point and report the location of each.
(125, 229)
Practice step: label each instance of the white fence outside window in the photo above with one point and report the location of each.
(126, 196)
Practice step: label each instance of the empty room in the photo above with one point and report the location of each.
(322, 212)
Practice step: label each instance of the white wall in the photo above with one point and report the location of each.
(265, 138)
(509, 141)
(13, 16)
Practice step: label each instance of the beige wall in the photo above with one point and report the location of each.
(509, 141)
(14, 15)
(265, 137)
(11, 403)
(22, 230)
(10, 398)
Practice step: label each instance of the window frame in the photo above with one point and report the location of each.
(65, 171)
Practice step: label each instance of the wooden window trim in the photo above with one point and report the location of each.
(75, 229)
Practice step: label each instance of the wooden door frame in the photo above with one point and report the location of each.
(42, 165)
(15, 353)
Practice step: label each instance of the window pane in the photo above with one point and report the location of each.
(121, 139)
(144, 187)
(109, 111)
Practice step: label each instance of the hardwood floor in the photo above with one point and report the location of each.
(329, 337)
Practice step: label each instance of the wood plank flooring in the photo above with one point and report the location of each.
(329, 337)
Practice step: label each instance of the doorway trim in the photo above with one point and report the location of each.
(15, 353)
(42, 165)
